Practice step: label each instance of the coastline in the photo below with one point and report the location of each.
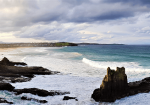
(77, 77)
(10, 49)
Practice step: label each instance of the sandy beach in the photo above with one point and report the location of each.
(7, 49)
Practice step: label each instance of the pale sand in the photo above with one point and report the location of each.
(5, 52)
(7, 49)
(10, 49)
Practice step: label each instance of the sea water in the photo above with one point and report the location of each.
(82, 70)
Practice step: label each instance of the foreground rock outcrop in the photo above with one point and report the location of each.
(115, 86)
(21, 73)
(11, 73)
(5, 61)
(69, 98)
(39, 92)
(33, 99)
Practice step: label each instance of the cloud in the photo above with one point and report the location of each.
(63, 20)
(53, 31)
(20, 13)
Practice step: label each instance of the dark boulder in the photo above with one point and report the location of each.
(39, 92)
(69, 98)
(7, 69)
(2, 100)
(6, 86)
(33, 99)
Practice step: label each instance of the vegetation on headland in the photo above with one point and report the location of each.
(46, 44)
(60, 44)
(98, 44)
(57, 44)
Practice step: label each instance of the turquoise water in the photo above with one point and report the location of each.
(113, 53)
(82, 70)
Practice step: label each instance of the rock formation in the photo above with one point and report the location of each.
(39, 92)
(114, 86)
(2, 100)
(5, 61)
(11, 73)
(33, 99)
(69, 98)
(19, 74)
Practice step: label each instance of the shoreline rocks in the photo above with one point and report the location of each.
(33, 99)
(39, 92)
(5, 61)
(69, 98)
(115, 86)
(10, 73)
(2, 100)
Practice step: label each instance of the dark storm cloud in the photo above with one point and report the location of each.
(78, 11)
(35, 18)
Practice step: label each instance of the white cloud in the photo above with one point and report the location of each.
(75, 21)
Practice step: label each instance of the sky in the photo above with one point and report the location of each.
(93, 21)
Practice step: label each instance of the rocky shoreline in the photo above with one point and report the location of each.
(10, 72)
(115, 86)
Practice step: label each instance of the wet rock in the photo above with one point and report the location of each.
(5, 101)
(14, 79)
(33, 99)
(6, 86)
(24, 70)
(114, 86)
(68, 98)
(39, 92)
(5, 61)
(11, 73)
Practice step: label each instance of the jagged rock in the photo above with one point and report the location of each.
(68, 98)
(33, 99)
(24, 70)
(39, 92)
(5, 61)
(11, 73)
(114, 86)
(141, 86)
(2, 100)
(6, 86)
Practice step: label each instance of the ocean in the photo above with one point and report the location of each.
(82, 70)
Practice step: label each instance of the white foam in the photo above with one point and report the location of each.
(80, 77)
(112, 65)
(80, 87)
(20, 65)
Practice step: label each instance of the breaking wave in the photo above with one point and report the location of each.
(113, 65)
